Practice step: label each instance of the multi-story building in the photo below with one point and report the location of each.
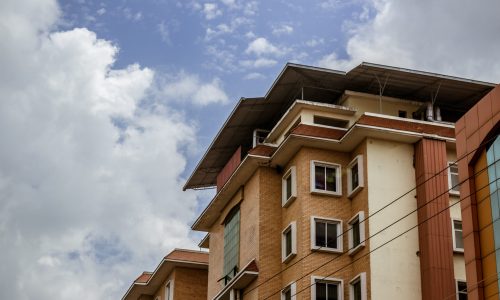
(478, 150)
(182, 274)
(336, 185)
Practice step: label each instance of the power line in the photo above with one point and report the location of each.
(379, 210)
(389, 241)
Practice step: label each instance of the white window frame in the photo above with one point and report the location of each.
(339, 248)
(292, 287)
(455, 249)
(293, 228)
(292, 172)
(361, 177)
(361, 277)
(450, 185)
(169, 286)
(338, 281)
(338, 178)
(456, 285)
(360, 217)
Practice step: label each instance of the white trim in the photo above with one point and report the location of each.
(455, 249)
(456, 285)
(292, 173)
(361, 176)
(338, 222)
(450, 184)
(443, 124)
(292, 286)
(361, 277)
(337, 281)
(338, 178)
(170, 285)
(360, 217)
(292, 227)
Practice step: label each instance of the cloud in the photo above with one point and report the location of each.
(101, 11)
(164, 32)
(258, 63)
(211, 11)
(283, 30)
(314, 42)
(261, 46)
(188, 87)
(254, 76)
(91, 160)
(132, 16)
(450, 37)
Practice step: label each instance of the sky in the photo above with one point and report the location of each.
(107, 106)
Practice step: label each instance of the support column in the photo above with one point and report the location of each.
(435, 236)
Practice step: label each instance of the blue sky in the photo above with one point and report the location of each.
(107, 106)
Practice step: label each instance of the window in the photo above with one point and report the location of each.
(331, 122)
(356, 232)
(289, 187)
(326, 288)
(461, 290)
(325, 178)
(231, 243)
(288, 293)
(289, 242)
(458, 242)
(355, 177)
(357, 288)
(453, 181)
(326, 234)
(169, 291)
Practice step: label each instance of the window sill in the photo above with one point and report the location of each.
(355, 191)
(454, 193)
(326, 193)
(288, 258)
(288, 201)
(356, 249)
(458, 251)
(325, 249)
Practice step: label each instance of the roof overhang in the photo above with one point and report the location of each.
(166, 266)
(453, 94)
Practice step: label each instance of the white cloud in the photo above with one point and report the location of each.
(230, 3)
(258, 63)
(211, 11)
(315, 42)
(254, 76)
(101, 11)
(261, 46)
(132, 16)
(283, 30)
(188, 87)
(164, 32)
(451, 37)
(89, 162)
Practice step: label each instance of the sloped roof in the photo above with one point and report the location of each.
(453, 94)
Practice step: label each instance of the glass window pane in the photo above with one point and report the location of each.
(320, 291)
(319, 177)
(331, 182)
(320, 234)
(288, 294)
(331, 235)
(355, 234)
(354, 176)
(462, 290)
(332, 291)
(288, 239)
(231, 244)
(289, 186)
(356, 287)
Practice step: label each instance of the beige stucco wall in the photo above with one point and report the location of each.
(395, 268)
(370, 103)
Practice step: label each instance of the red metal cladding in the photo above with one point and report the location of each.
(434, 230)
(229, 169)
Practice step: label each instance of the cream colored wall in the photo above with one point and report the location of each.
(370, 103)
(456, 213)
(395, 267)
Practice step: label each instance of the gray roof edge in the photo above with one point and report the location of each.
(425, 73)
(238, 105)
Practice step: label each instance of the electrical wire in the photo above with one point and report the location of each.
(378, 211)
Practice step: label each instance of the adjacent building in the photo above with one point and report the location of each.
(478, 149)
(339, 185)
(182, 274)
